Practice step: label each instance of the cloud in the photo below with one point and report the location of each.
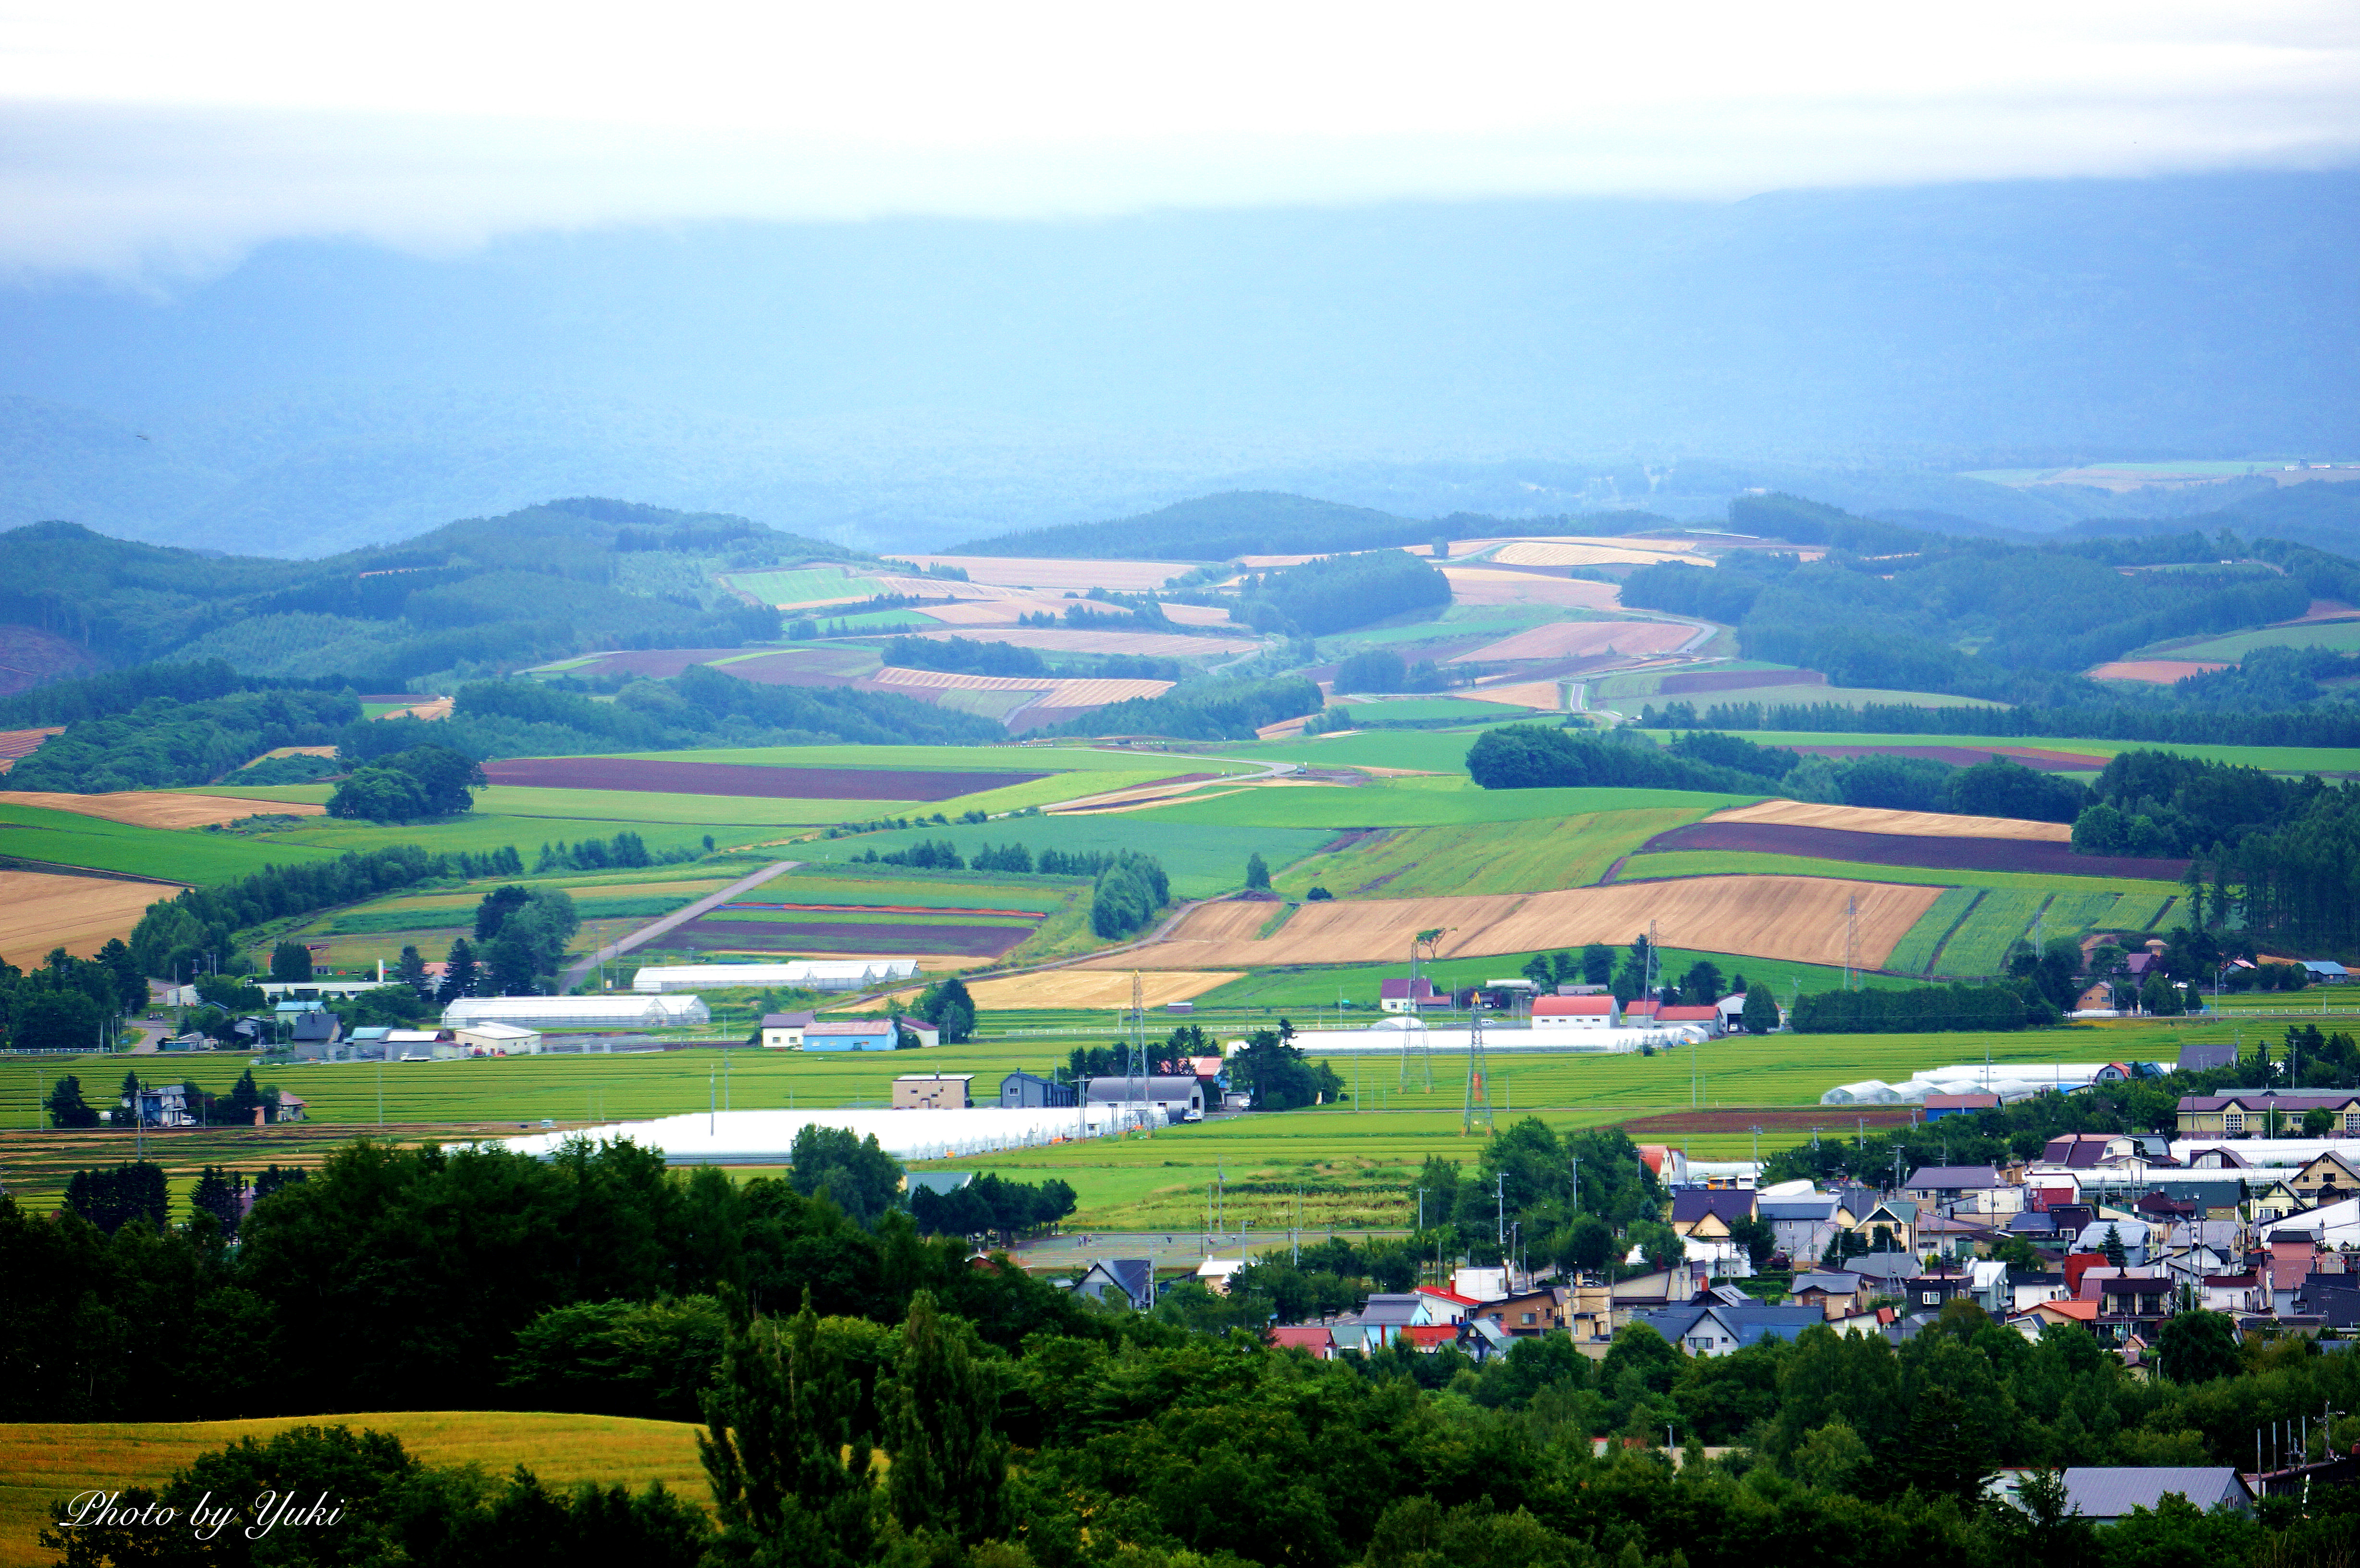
(150, 140)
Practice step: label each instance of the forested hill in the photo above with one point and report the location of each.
(537, 583)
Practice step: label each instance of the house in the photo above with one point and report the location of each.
(490, 1039)
(2326, 972)
(850, 1034)
(1711, 1328)
(1894, 1217)
(1804, 1223)
(2132, 1233)
(1409, 995)
(1313, 1340)
(1948, 1237)
(2330, 1177)
(1120, 1282)
(1551, 1013)
(1884, 1273)
(1833, 1290)
(1428, 1338)
(1480, 1285)
(2043, 1316)
(1214, 1273)
(288, 1109)
(419, 1045)
(1940, 1105)
(1933, 1289)
(1179, 1098)
(1977, 1189)
(2268, 1112)
(784, 1032)
(1705, 1217)
(162, 1105)
(934, 1092)
(2209, 1056)
(1027, 1091)
(2107, 1495)
(1382, 1321)
(1528, 1315)
(2237, 1294)
(925, 1034)
(2129, 1301)
(2029, 1288)
(1447, 1306)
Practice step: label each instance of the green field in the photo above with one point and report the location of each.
(1424, 751)
(788, 589)
(45, 1462)
(1200, 860)
(2341, 636)
(480, 833)
(1418, 803)
(2271, 758)
(1717, 863)
(1408, 863)
(69, 838)
(1419, 709)
(1999, 918)
(1914, 953)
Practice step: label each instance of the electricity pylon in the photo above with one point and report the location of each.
(1478, 1092)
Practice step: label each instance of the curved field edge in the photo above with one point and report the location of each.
(1559, 852)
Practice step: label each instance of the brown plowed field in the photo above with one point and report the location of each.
(1797, 917)
(1094, 988)
(40, 911)
(1026, 571)
(2153, 671)
(30, 656)
(1940, 854)
(1875, 820)
(1590, 552)
(1066, 640)
(784, 936)
(1737, 681)
(2034, 758)
(1474, 585)
(1578, 639)
(158, 808)
(744, 779)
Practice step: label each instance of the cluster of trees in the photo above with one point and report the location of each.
(948, 1004)
(1383, 670)
(522, 934)
(1336, 593)
(1278, 1075)
(1584, 1201)
(1997, 788)
(1913, 1009)
(2163, 803)
(1593, 966)
(992, 1205)
(68, 1003)
(2292, 884)
(166, 741)
(2096, 717)
(1128, 894)
(1220, 709)
(965, 655)
(175, 935)
(403, 786)
(626, 849)
(1558, 757)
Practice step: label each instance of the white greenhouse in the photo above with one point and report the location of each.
(766, 1137)
(625, 1011)
(809, 974)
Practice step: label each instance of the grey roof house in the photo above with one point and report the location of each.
(2104, 1494)
(1120, 1282)
(1717, 1328)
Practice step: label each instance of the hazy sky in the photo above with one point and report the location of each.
(140, 137)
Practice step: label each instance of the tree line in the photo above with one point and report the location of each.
(1216, 708)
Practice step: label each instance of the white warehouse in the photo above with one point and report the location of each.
(808, 974)
(615, 1012)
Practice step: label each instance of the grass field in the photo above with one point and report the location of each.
(43, 1461)
(2271, 758)
(1419, 709)
(67, 838)
(1416, 802)
(1406, 863)
(2342, 636)
(480, 834)
(813, 586)
(1914, 953)
(1201, 860)
(1423, 751)
(1979, 944)
(1715, 862)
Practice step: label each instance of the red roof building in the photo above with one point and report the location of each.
(1709, 1017)
(1429, 1337)
(1575, 1012)
(1313, 1338)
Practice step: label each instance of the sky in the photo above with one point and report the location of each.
(145, 141)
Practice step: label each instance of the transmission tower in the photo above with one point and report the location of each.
(1655, 965)
(1421, 945)
(1478, 1092)
(1138, 1036)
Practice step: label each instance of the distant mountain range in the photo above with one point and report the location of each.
(900, 384)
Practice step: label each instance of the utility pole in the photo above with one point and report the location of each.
(1499, 1189)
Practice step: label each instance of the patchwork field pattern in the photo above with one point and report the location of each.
(1981, 943)
(2153, 671)
(647, 774)
(155, 809)
(1797, 917)
(1937, 851)
(1875, 820)
(2040, 761)
(1027, 571)
(1584, 639)
(39, 911)
(1477, 586)
(64, 838)
(1062, 640)
(1396, 862)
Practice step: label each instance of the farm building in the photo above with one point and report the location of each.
(934, 1092)
(616, 1012)
(2267, 1110)
(784, 1032)
(1940, 1105)
(1023, 1091)
(808, 974)
(768, 1137)
(1867, 1092)
(1410, 995)
(1182, 1099)
(1708, 1018)
(413, 1045)
(851, 1034)
(1550, 1013)
(493, 1039)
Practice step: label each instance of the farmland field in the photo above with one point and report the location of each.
(2269, 759)
(1200, 859)
(1979, 944)
(1583, 639)
(1935, 851)
(63, 838)
(1914, 953)
(2339, 637)
(702, 778)
(1403, 863)
(40, 910)
(1701, 863)
(1418, 709)
(149, 808)
(1773, 917)
(1025, 572)
(41, 1462)
(1875, 820)
(1420, 803)
(481, 831)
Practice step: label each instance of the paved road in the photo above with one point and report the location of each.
(648, 934)
(1170, 1248)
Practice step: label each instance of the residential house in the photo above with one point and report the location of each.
(1704, 1218)
(1028, 1091)
(1214, 1273)
(2043, 1315)
(1313, 1340)
(1380, 1322)
(1884, 1273)
(2107, 1495)
(1683, 1015)
(161, 1104)
(1480, 1284)
(2027, 1288)
(1834, 1291)
(1664, 1288)
(1179, 1098)
(1120, 1282)
(1803, 1224)
(1896, 1218)
(1428, 1338)
(1932, 1289)
(1854, 1205)
(928, 1035)
(2239, 1295)
(2129, 1301)
(1940, 1105)
(2326, 972)
(2132, 1234)
(850, 1034)
(1554, 1013)
(2329, 1178)
(1969, 1189)
(2267, 1112)
(1447, 1306)
(1408, 996)
(1528, 1315)
(934, 1092)
(2207, 1056)
(784, 1032)
(1714, 1328)
(1957, 1238)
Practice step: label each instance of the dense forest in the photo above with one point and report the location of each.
(1336, 593)
(1208, 710)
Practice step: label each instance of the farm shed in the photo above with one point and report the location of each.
(501, 1039)
(784, 1032)
(934, 1092)
(851, 1034)
(1030, 1090)
(1180, 1098)
(615, 1012)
